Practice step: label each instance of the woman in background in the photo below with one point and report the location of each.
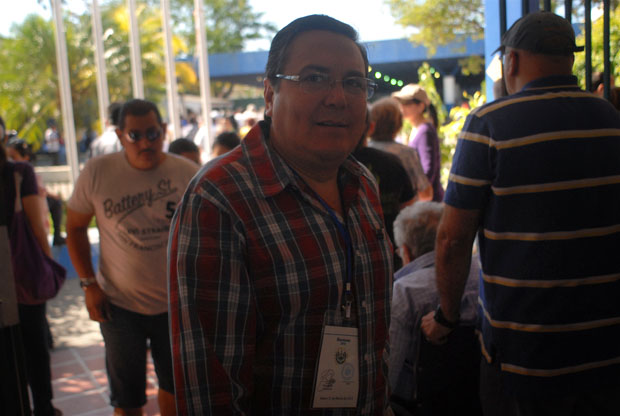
(19, 151)
(386, 121)
(33, 322)
(414, 104)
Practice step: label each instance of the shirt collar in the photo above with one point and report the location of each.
(272, 174)
(553, 82)
(422, 262)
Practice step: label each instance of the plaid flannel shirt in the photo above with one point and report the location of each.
(255, 263)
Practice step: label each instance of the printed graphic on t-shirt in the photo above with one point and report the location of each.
(142, 219)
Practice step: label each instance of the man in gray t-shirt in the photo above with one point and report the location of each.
(133, 195)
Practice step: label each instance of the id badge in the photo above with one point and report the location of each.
(336, 382)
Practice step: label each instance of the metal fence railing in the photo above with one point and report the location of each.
(529, 5)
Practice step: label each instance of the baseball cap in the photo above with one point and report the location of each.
(412, 92)
(541, 32)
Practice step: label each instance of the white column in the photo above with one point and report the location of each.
(103, 95)
(203, 61)
(449, 89)
(65, 92)
(134, 46)
(171, 78)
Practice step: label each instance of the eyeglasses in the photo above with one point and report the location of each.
(316, 82)
(151, 135)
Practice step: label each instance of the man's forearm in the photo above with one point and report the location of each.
(455, 238)
(79, 251)
(453, 261)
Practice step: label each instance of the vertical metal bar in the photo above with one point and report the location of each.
(65, 92)
(525, 7)
(547, 5)
(103, 95)
(568, 10)
(203, 64)
(134, 46)
(606, 50)
(502, 17)
(588, 35)
(171, 77)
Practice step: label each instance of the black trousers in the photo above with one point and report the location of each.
(55, 207)
(34, 336)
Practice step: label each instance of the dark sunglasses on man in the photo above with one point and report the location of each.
(150, 134)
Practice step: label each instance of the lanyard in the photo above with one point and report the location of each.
(344, 232)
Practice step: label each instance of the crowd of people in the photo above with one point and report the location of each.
(317, 264)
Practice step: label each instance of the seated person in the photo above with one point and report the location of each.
(185, 148)
(415, 293)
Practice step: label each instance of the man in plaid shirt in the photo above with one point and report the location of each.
(281, 237)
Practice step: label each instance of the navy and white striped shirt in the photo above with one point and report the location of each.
(543, 166)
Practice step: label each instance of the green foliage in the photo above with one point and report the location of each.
(28, 79)
(597, 48)
(426, 78)
(28, 71)
(229, 23)
(439, 22)
(449, 132)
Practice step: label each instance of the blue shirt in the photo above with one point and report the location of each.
(543, 166)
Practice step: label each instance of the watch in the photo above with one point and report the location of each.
(87, 281)
(442, 320)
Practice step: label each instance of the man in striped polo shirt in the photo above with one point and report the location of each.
(537, 175)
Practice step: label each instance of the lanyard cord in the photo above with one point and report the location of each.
(344, 232)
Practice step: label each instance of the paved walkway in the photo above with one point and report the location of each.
(78, 360)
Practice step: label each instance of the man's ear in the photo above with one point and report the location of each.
(513, 64)
(268, 93)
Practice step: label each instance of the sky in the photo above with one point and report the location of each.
(371, 18)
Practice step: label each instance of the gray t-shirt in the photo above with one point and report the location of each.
(133, 209)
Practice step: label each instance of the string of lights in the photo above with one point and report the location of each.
(396, 82)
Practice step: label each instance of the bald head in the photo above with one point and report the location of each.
(521, 67)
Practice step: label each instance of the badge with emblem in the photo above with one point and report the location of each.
(341, 356)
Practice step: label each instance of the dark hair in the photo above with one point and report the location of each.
(114, 111)
(228, 139)
(2, 157)
(432, 112)
(179, 146)
(2, 152)
(137, 107)
(21, 147)
(278, 52)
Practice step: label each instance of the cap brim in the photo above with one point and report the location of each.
(400, 97)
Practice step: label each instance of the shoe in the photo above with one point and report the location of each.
(59, 241)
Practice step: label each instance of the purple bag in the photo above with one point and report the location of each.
(38, 278)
